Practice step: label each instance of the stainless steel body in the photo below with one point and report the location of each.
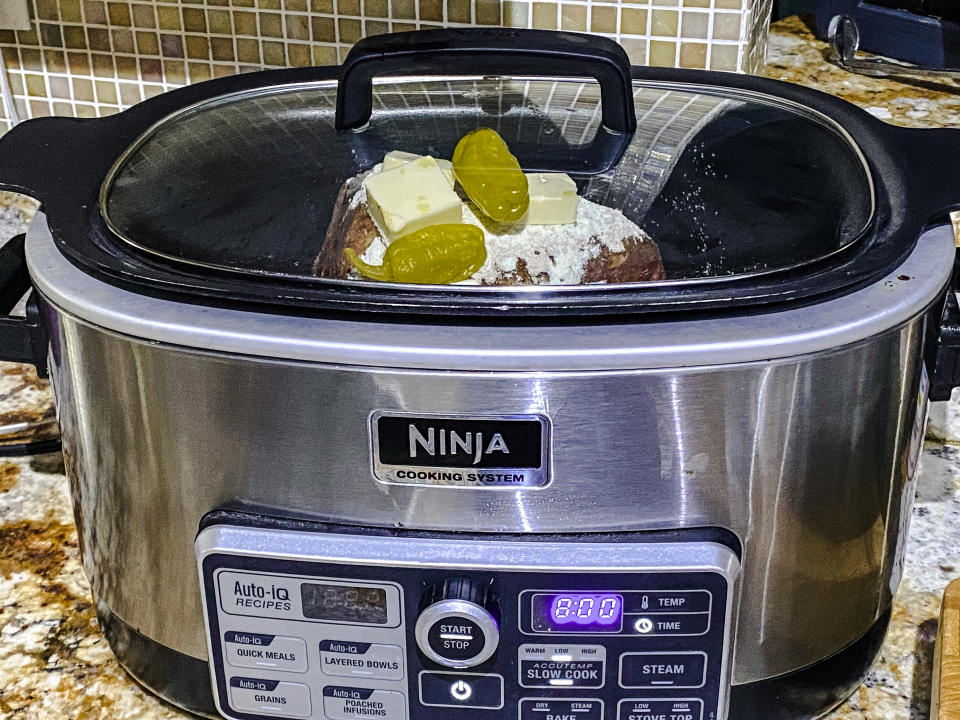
(791, 429)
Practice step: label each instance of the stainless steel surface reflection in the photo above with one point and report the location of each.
(803, 458)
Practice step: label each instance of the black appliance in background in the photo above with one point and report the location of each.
(923, 32)
(945, 9)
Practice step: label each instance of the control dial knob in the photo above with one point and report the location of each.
(458, 625)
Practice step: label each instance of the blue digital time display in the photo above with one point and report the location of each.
(577, 612)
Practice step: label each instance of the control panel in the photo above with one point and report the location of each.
(349, 626)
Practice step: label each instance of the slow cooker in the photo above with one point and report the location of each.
(697, 500)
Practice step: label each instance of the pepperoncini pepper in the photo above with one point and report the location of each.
(491, 176)
(435, 255)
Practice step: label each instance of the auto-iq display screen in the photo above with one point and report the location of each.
(344, 603)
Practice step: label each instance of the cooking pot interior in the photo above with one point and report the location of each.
(726, 183)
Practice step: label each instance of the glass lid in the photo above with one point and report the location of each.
(485, 183)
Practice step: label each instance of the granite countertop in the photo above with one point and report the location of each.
(54, 663)
(794, 55)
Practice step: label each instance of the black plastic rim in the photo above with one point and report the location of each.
(913, 170)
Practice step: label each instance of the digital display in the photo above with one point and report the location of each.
(344, 603)
(577, 612)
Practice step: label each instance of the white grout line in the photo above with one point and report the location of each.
(283, 29)
(709, 60)
(11, 109)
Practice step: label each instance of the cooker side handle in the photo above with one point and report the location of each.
(930, 162)
(39, 156)
(22, 340)
(487, 51)
(946, 373)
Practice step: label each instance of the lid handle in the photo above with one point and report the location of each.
(486, 51)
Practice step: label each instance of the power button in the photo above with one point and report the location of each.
(476, 691)
(461, 691)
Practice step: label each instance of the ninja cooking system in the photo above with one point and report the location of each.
(340, 497)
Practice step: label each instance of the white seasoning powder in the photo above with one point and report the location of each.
(560, 252)
(360, 196)
(374, 253)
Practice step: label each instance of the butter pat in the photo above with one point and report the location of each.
(411, 197)
(553, 199)
(396, 158)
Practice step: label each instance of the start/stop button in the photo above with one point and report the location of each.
(457, 632)
(456, 638)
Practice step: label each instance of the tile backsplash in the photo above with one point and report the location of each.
(84, 58)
